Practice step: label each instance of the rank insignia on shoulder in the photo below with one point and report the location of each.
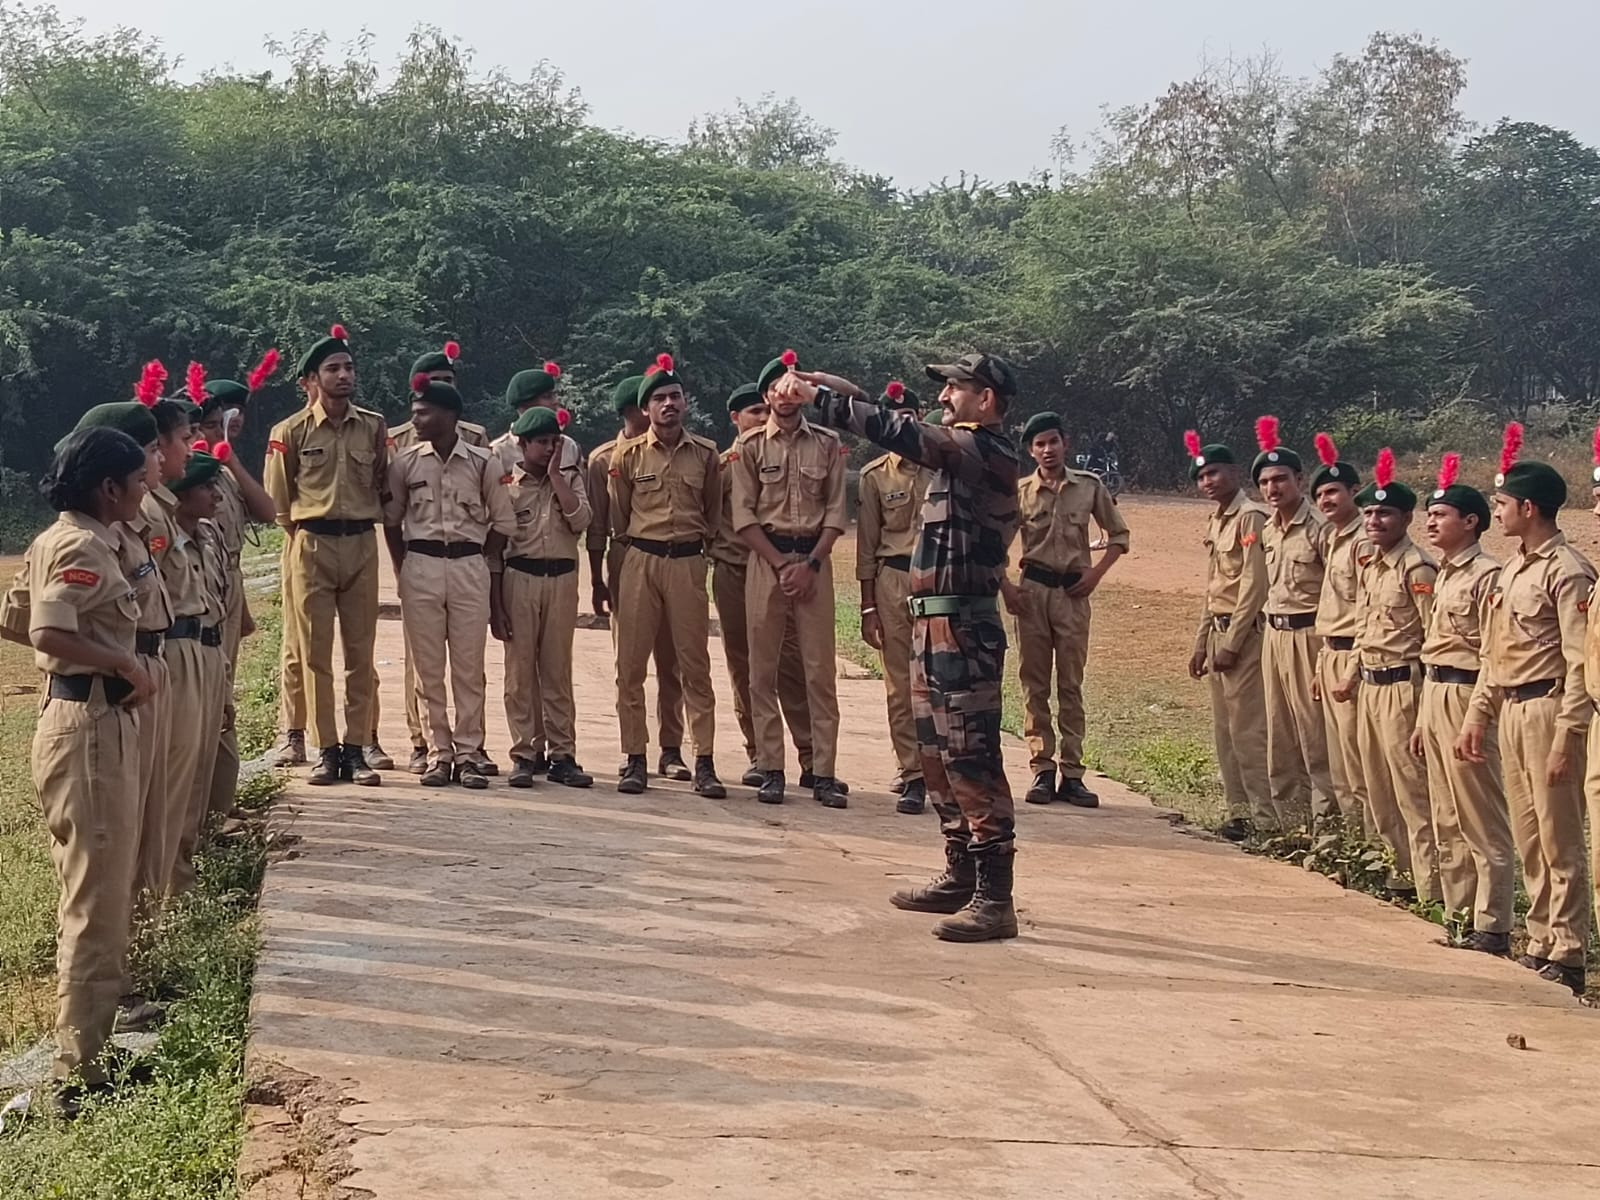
(157, 545)
(1248, 539)
(78, 577)
(1364, 559)
(1422, 589)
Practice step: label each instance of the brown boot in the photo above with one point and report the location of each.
(990, 916)
(950, 892)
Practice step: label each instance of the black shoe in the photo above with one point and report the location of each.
(1235, 829)
(913, 799)
(990, 915)
(541, 763)
(470, 777)
(1077, 793)
(772, 785)
(1498, 944)
(1533, 962)
(329, 768)
(568, 773)
(706, 782)
(1044, 788)
(754, 777)
(809, 780)
(672, 765)
(480, 759)
(521, 773)
(826, 792)
(438, 775)
(633, 778)
(356, 770)
(377, 757)
(419, 760)
(898, 787)
(1571, 978)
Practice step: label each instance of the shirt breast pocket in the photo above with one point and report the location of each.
(362, 462)
(813, 482)
(1461, 617)
(524, 517)
(1534, 619)
(897, 510)
(688, 482)
(1305, 568)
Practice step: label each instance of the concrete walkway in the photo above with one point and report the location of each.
(575, 994)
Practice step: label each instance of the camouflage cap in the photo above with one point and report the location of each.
(987, 369)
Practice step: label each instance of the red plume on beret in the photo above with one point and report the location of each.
(151, 380)
(788, 358)
(664, 363)
(563, 418)
(223, 452)
(1191, 443)
(419, 382)
(194, 383)
(1267, 433)
(263, 372)
(201, 446)
(1510, 447)
(1597, 445)
(1449, 468)
(1327, 452)
(895, 390)
(338, 333)
(1383, 473)
(554, 370)
(452, 350)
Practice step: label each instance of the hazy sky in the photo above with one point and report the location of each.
(919, 90)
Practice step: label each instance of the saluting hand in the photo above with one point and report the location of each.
(805, 384)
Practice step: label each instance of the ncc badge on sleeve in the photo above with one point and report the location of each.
(277, 447)
(78, 577)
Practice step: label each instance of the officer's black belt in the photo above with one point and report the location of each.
(80, 688)
(1285, 621)
(191, 629)
(1531, 691)
(1221, 621)
(668, 549)
(1384, 676)
(326, 527)
(445, 549)
(1340, 643)
(960, 607)
(785, 543)
(1450, 675)
(898, 562)
(1049, 578)
(551, 567)
(147, 644)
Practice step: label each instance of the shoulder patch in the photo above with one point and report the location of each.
(157, 544)
(1249, 539)
(78, 577)
(844, 451)
(276, 447)
(1419, 588)
(505, 478)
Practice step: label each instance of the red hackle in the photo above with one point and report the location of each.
(1597, 445)
(664, 363)
(553, 370)
(338, 333)
(200, 446)
(1327, 452)
(1383, 473)
(1267, 433)
(223, 452)
(563, 418)
(151, 381)
(895, 390)
(194, 383)
(789, 358)
(452, 350)
(1449, 469)
(419, 382)
(1510, 447)
(1191, 443)
(263, 372)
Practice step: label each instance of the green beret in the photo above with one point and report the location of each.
(223, 394)
(773, 369)
(441, 395)
(526, 387)
(745, 395)
(434, 360)
(1537, 482)
(131, 417)
(1465, 500)
(897, 395)
(337, 342)
(1042, 422)
(537, 422)
(1210, 455)
(626, 394)
(659, 374)
(201, 468)
(1335, 472)
(1394, 495)
(1282, 456)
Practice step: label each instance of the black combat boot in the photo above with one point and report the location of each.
(672, 765)
(809, 778)
(1571, 978)
(633, 778)
(541, 763)
(521, 773)
(990, 915)
(913, 798)
(772, 785)
(1484, 942)
(417, 764)
(329, 768)
(565, 771)
(356, 769)
(1076, 792)
(950, 892)
(1044, 788)
(754, 776)
(439, 774)
(706, 782)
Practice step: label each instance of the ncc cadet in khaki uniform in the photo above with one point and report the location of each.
(446, 515)
(1536, 681)
(892, 490)
(1227, 649)
(730, 559)
(666, 498)
(82, 610)
(788, 506)
(1393, 609)
(440, 367)
(1296, 541)
(606, 546)
(526, 390)
(534, 602)
(1052, 603)
(1468, 801)
(326, 467)
(1333, 488)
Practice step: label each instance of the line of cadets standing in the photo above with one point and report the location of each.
(1440, 703)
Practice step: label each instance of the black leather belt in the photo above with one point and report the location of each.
(1221, 621)
(147, 644)
(1531, 691)
(785, 543)
(79, 688)
(1291, 620)
(899, 562)
(445, 549)
(325, 527)
(1385, 676)
(1450, 675)
(1340, 643)
(190, 629)
(543, 566)
(668, 549)
(1049, 578)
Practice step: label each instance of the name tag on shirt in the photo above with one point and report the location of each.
(417, 483)
(313, 452)
(771, 469)
(650, 478)
(144, 569)
(892, 497)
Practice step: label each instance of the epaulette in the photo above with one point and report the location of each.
(758, 431)
(881, 460)
(482, 452)
(397, 430)
(705, 442)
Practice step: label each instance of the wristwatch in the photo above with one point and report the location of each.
(814, 563)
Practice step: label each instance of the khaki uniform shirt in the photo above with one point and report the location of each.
(232, 518)
(599, 473)
(1055, 519)
(405, 435)
(457, 498)
(219, 580)
(188, 574)
(543, 530)
(665, 494)
(1460, 610)
(1538, 618)
(1341, 579)
(1295, 560)
(1394, 607)
(154, 531)
(727, 546)
(1236, 572)
(892, 490)
(319, 470)
(77, 586)
(789, 482)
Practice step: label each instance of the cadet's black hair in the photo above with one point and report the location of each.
(173, 414)
(1548, 513)
(86, 459)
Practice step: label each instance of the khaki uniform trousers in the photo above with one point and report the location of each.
(1470, 818)
(153, 722)
(1341, 728)
(669, 687)
(543, 611)
(893, 590)
(727, 589)
(197, 717)
(1547, 826)
(291, 661)
(659, 595)
(1053, 634)
(86, 770)
(444, 603)
(769, 612)
(225, 772)
(1297, 741)
(336, 578)
(1239, 728)
(1397, 782)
